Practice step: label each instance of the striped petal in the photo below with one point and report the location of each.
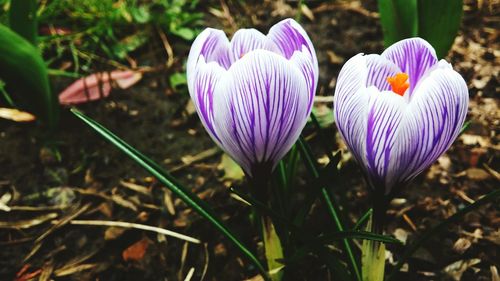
(385, 114)
(413, 56)
(293, 43)
(261, 109)
(213, 46)
(379, 69)
(350, 105)
(247, 40)
(435, 116)
(367, 118)
(201, 89)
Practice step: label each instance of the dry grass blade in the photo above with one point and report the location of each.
(24, 224)
(189, 275)
(63, 221)
(135, 226)
(188, 159)
(207, 260)
(65, 271)
(136, 187)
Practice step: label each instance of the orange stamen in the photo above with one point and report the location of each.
(399, 83)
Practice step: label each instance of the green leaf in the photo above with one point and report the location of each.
(232, 171)
(22, 19)
(372, 258)
(23, 69)
(178, 79)
(140, 14)
(311, 166)
(439, 22)
(165, 178)
(358, 234)
(399, 20)
(435, 21)
(184, 32)
(363, 219)
(440, 227)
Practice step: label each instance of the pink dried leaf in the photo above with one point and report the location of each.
(97, 86)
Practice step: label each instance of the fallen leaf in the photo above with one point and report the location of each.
(401, 235)
(334, 58)
(477, 174)
(456, 269)
(461, 245)
(97, 86)
(232, 171)
(307, 12)
(136, 251)
(16, 115)
(113, 232)
(494, 273)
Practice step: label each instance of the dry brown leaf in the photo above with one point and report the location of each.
(113, 232)
(307, 12)
(16, 115)
(456, 269)
(334, 58)
(477, 174)
(494, 273)
(461, 245)
(97, 85)
(136, 251)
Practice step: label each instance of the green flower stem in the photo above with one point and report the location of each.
(273, 249)
(330, 204)
(260, 186)
(373, 259)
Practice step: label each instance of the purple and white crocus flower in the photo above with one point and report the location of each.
(399, 111)
(254, 93)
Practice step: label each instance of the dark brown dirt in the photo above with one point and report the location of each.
(157, 121)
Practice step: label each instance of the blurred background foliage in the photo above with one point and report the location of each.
(109, 31)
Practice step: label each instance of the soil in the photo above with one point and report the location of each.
(85, 173)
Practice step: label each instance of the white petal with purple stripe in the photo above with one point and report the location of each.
(254, 93)
(261, 103)
(396, 137)
(413, 56)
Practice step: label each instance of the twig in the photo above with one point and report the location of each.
(187, 161)
(63, 221)
(189, 275)
(167, 46)
(135, 226)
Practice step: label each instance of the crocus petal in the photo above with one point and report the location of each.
(385, 113)
(212, 45)
(260, 109)
(291, 38)
(350, 106)
(367, 118)
(201, 89)
(434, 119)
(379, 69)
(414, 56)
(247, 40)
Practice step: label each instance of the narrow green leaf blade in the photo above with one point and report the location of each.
(399, 19)
(22, 19)
(23, 69)
(358, 234)
(438, 23)
(311, 166)
(165, 178)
